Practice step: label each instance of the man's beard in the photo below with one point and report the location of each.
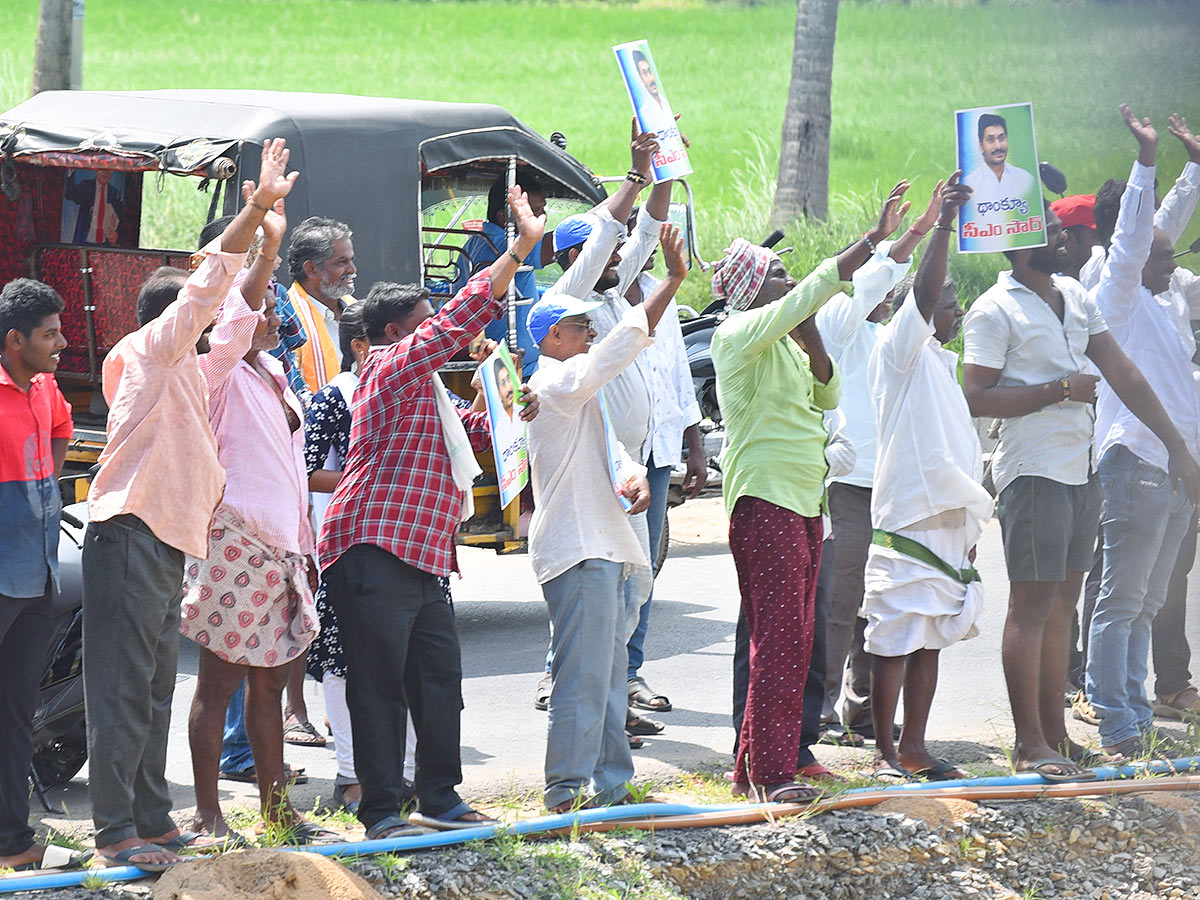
(332, 290)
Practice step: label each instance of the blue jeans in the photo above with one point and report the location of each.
(235, 747)
(1142, 524)
(660, 483)
(586, 741)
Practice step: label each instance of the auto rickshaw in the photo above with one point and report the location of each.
(78, 172)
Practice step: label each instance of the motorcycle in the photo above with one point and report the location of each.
(59, 725)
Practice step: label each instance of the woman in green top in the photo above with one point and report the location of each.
(774, 380)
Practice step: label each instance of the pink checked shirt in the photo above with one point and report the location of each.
(266, 482)
(160, 463)
(397, 492)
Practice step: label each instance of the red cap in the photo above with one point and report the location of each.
(1075, 210)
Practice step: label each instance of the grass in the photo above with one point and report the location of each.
(900, 70)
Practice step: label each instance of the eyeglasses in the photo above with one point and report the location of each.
(586, 323)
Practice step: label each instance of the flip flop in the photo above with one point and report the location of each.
(59, 859)
(125, 858)
(943, 771)
(309, 833)
(302, 734)
(643, 727)
(817, 772)
(889, 773)
(635, 742)
(541, 695)
(250, 775)
(641, 696)
(393, 827)
(188, 840)
(1042, 767)
(790, 792)
(450, 820)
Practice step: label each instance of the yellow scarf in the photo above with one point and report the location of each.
(318, 357)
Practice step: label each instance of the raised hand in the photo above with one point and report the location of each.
(642, 148)
(1178, 126)
(530, 228)
(893, 212)
(1143, 132)
(274, 180)
(672, 246)
(929, 218)
(953, 195)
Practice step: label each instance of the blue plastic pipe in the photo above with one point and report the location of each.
(14, 883)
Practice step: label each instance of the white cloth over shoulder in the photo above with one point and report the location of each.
(909, 605)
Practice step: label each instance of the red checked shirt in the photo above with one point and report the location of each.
(397, 492)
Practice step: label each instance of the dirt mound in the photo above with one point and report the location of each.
(263, 875)
(933, 811)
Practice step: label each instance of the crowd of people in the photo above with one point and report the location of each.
(285, 474)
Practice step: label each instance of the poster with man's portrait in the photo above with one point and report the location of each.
(997, 153)
(652, 109)
(94, 206)
(500, 383)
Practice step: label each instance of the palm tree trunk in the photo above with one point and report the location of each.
(803, 185)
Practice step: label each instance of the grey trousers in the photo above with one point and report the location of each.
(586, 739)
(847, 664)
(132, 586)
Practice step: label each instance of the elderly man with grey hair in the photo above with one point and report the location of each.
(321, 263)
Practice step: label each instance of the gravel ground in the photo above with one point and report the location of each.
(1134, 847)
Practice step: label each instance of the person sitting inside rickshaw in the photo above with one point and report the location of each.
(486, 247)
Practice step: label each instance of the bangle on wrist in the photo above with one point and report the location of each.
(513, 254)
(867, 240)
(273, 260)
(940, 227)
(257, 205)
(635, 176)
(1066, 388)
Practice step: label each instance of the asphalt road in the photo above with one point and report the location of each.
(503, 630)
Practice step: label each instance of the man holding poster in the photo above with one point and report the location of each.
(1005, 209)
(653, 109)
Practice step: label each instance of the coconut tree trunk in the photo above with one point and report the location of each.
(803, 185)
(52, 59)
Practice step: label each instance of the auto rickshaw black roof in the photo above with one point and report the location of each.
(362, 158)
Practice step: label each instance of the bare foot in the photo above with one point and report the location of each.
(32, 855)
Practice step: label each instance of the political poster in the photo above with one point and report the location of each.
(652, 109)
(997, 152)
(509, 446)
(616, 459)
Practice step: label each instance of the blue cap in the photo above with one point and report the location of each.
(571, 232)
(553, 307)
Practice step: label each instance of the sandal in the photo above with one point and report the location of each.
(642, 697)
(1057, 770)
(452, 819)
(393, 827)
(58, 859)
(193, 840)
(641, 726)
(817, 772)
(250, 776)
(1184, 704)
(789, 792)
(303, 833)
(301, 734)
(541, 696)
(125, 858)
(943, 770)
(635, 742)
(889, 774)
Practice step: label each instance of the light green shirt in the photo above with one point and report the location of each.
(775, 432)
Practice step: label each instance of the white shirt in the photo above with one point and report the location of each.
(929, 455)
(1149, 332)
(1012, 329)
(673, 405)
(576, 513)
(1014, 182)
(849, 339)
(629, 396)
(1172, 216)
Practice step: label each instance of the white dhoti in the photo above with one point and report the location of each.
(912, 605)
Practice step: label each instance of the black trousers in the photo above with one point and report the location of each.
(402, 655)
(26, 626)
(814, 682)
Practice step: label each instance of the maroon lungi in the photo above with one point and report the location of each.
(777, 553)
